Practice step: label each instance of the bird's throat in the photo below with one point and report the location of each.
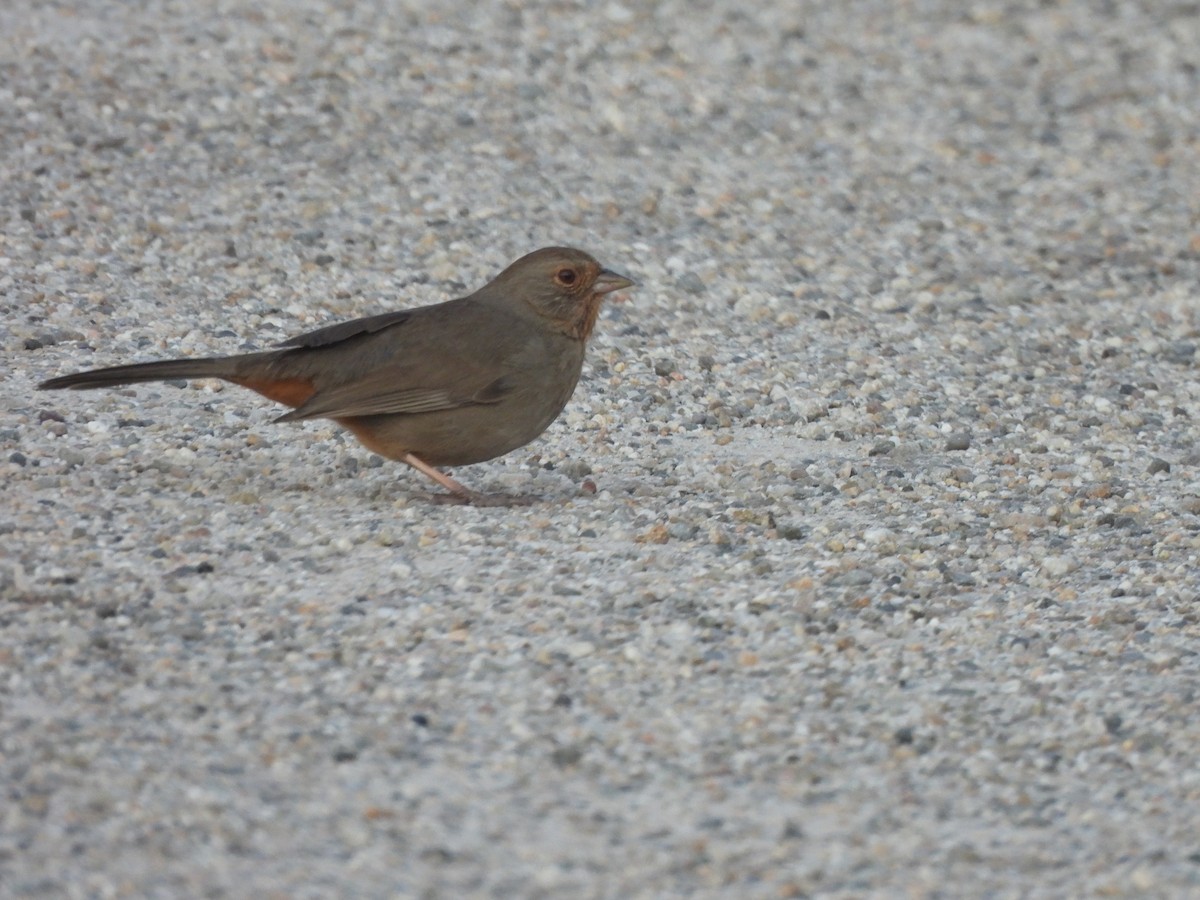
(585, 321)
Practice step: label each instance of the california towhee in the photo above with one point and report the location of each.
(450, 384)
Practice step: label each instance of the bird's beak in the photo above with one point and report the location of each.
(607, 282)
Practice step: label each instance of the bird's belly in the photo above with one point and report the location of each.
(468, 434)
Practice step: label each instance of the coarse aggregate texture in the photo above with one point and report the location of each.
(864, 562)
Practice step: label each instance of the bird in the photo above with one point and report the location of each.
(450, 384)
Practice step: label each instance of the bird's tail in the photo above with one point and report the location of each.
(216, 367)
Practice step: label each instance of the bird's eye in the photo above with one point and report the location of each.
(565, 277)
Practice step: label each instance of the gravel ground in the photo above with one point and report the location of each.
(889, 582)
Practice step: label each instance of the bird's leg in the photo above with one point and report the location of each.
(460, 493)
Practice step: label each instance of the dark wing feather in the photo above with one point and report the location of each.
(332, 334)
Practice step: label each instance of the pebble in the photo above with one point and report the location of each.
(690, 283)
(958, 441)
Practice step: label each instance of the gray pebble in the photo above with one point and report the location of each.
(960, 440)
(690, 283)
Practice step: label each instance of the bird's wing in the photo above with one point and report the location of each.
(414, 361)
(388, 392)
